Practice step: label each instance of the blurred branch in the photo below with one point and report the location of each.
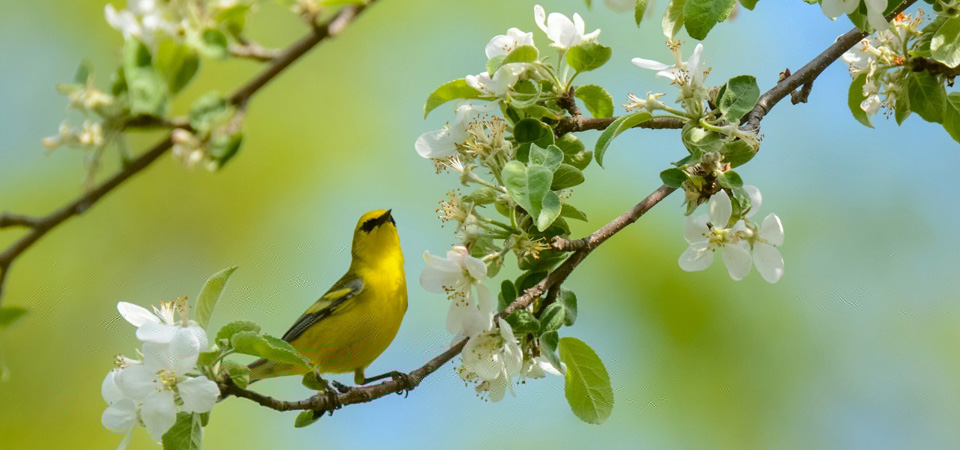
(39, 226)
(254, 51)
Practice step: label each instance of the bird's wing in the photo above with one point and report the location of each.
(343, 290)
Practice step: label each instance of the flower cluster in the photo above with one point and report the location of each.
(882, 60)
(151, 21)
(741, 242)
(152, 389)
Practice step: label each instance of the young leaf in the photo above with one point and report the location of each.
(534, 131)
(587, 384)
(701, 15)
(855, 97)
(305, 418)
(224, 147)
(234, 17)
(82, 73)
(570, 144)
(268, 347)
(639, 10)
(550, 157)
(552, 318)
(566, 176)
(177, 63)
(449, 91)
(549, 211)
(186, 433)
(527, 185)
(570, 212)
(737, 153)
(749, 4)
(208, 111)
(580, 160)
(618, 126)
(927, 96)
(522, 321)
(10, 314)
(730, 179)
(313, 381)
(597, 100)
(240, 374)
(482, 196)
(569, 301)
(209, 295)
(147, 93)
(232, 328)
(214, 44)
(588, 56)
(508, 293)
(739, 97)
(945, 44)
(673, 18)
(548, 349)
(521, 54)
(951, 117)
(673, 177)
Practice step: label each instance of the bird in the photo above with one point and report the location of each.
(359, 316)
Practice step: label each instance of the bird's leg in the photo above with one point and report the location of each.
(404, 379)
(340, 386)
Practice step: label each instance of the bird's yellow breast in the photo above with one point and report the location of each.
(361, 330)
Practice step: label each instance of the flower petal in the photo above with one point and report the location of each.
(436, 144)
(649, 64)
(199, 394)
(120, 416)
(109, 390)
(737, 259)
(755, 199)
(769, 262)
(837, 8)
(455, 317)
(136, 314)
(137, 382)
(720, 208)
(159, 413)
(540, 16)
(157, 333)
(695, 229)
(435, 280)
(697, 257)
(771, 230)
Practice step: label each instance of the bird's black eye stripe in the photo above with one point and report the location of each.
(369, 225)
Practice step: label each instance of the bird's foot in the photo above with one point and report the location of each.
(406, 382)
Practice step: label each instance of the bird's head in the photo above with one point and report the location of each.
(375, 236)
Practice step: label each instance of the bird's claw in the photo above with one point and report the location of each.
(406, 383)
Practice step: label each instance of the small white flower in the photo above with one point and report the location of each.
(162, 326)
(766, 257)
(691, 72)
(561, 30)
(459, 275)
(503, 44)
(501, 82)
(122, 413)
(124, 21)
(708, 233)
(492, 358)
(651, 103)
(442, 143)
(152, 383)
(145, 19)
(871, 105)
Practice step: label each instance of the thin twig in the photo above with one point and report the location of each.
(42, 225)
(254, 52)
(580, 123)
(16, 220)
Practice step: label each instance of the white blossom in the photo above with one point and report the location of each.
(538, 367)
(561, 30)
(145, 19)
(442, 143)
(766, 256)
(460, 276)
(492, 358)
(501, 82)
(837, 8)
(689, 74)
(503, 44)
(162, 326)
(875, 14)
(122, 413)
(708, 233)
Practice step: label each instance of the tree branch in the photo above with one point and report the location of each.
(581, 248)
(41, 225)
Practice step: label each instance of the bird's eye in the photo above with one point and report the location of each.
(369, 225)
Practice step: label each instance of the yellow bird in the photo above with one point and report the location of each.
(355, 321)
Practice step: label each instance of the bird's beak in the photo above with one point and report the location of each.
(386, 217)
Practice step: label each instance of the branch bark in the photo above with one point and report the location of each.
(580, 248)
(40, 226)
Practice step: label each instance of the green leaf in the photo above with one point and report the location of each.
(207, 112)
(482, 196)
(177, 64)
(552, 317)
(701, 15)
(508, 293)
(522, 321)
(267, 347)
(597, 100)
(550, 157)
(146, 89)
(749, 4)
(534, 131)
(494, 63)
(224, 147)
(570, 144)
(737, 153)
(928, 98)
(951, 117)
(730, 179)
(566, 176)
(739, 97)
(234, 17)
(699, 140)
(945, 44)
(639, 10)
(527, 185)
(232, 328)
(587, 384)
(449, 91)
(305, 418)
(855, 97)
(313, 381)
(521, 54)
(82, 73)
(549, 211)
(10, 314)
(570, 212)
(186, 433)
(673, 18)
(618, 126)
(901, 108)
(580, 160)
(214, 44)
(588, 56)
(239, 373)
(548, 349)
(569, 301)
(673, 177)
(209, 295)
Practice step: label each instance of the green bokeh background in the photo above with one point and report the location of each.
(856, 347)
